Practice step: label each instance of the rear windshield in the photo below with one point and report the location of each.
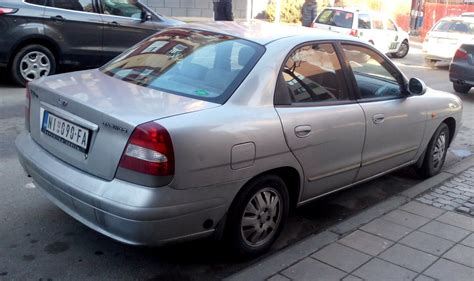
(454, 26)
(199, 64)
(336, 18)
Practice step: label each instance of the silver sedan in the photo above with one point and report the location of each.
(223, 128)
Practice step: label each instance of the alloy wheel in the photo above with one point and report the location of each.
(439, 150)
(34, 65)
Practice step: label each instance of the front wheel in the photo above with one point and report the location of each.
(32, 62)
(402, 50)
(463, 89)
(435, 152)
(257, 216)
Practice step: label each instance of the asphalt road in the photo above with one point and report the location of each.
(40, 242)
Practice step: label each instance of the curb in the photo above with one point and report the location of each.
(282, 259)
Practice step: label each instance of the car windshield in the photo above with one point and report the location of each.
(336, 18)
(455, 26)
(199, 64)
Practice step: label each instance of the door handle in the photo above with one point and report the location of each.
(114, 23)
(57, 18)
(302, 131)
(378, 118)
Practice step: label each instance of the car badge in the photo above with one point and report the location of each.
(62, 102)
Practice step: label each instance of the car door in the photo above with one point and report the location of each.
(323, 126)
(395, 120)
(124, 26)
(76, 26)
(393, 39)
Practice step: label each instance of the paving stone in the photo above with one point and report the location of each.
(341, 257)
(352, 278)
(311, 269)
(445, 231)
(461, 254)
(457, 220)
(448, 207)
(448, 270)
(422, 210)
(386, 229)
(469, 241)
(427, 243)
(425, 201)
(424, 278)
(463, 210)
(406, 219)
(278, 277)
(377, 269)
(365, 242)
(407, 257)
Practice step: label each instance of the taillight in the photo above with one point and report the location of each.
(5, 11)
(354, 32)
(149, 151)
(461, 54)
(27, 108)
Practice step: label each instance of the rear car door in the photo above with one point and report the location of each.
(323, 126)
(395, 121)
(124, 26)
(76, 26)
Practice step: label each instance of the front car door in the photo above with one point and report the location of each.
(124, 26)
(77, 27)
(395, 120)
(323, 126)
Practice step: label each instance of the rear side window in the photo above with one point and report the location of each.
(75, 5)
(454, 26)
(199, 64)
(336, 18)
(313, 73)
(364, 21)
(123, 8)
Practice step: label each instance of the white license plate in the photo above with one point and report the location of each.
(66, 132)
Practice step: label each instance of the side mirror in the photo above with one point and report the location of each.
(145, 16)
(416, 87)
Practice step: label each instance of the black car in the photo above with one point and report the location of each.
(461, 69)
(39, 36)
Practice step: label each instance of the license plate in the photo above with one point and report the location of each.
(393, 45)
(66, 132)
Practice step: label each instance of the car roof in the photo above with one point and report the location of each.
(262, 32)
(465, 19)
(354, 10)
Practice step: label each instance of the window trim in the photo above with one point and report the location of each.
(345, 88)
(351, 76)
(155, 17)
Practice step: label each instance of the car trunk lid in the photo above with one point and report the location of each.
(99, 114)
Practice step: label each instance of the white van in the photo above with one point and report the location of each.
(373, 27)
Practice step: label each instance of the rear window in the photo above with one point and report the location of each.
(199, 64)
(336, 18)
(454, 26)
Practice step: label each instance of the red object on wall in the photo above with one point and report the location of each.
(434, 12)
(403, 21)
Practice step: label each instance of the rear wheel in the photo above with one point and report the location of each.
(435, 152)
(402, 50)
(463, 89)
(32, 62)
(257, 216)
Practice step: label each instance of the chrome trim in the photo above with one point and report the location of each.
(67, 116)
(390, 156)
(355, 183)
(334, 172)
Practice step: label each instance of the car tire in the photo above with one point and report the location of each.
(32, 62)
(435, 152)
(253, 224)
(402, 50)
(430, 63)
(463, 89)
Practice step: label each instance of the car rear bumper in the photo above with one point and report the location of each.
(123, 211)
(461, 73)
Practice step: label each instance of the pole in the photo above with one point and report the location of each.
(277, 11)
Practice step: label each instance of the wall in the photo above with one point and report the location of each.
(193, 8)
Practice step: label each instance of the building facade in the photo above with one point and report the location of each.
(195, 8)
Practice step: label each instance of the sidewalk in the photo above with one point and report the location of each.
(423, 233)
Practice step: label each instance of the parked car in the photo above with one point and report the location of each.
(461, 69)
(467, 14)
(222, 128)
(445, 37)
(39, 36)
(375, 28)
